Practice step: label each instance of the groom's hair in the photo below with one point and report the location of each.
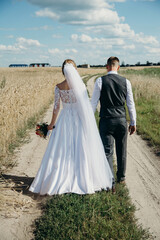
(113, 62)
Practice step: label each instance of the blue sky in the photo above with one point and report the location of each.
(86, 31)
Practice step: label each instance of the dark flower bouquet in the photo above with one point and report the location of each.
(42, 130)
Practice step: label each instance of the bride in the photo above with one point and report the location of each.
(74, 161)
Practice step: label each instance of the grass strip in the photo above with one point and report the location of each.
(152, 72)
(88, 76)
(148, 122)
(97, 216)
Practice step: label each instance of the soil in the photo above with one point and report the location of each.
(19, 208)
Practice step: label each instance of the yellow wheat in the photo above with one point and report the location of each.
(25, 92)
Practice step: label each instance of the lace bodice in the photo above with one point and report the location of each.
(67, 96)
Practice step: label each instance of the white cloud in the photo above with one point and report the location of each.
(97, 41)
(94, 17)
(153, 50)
(54, 51)
(21, 44)
(79, 12)
(85, 38)
(99, 15)
(82, 17)
(63, 5)
(24, 43)
(74, 37)
(65, 51)
(141, 38)
(44, 57)
(119, 30)
(123, 32)
(47, 13)
(45, 27)
(8, 48)
(57, 36)
(74, 50)
(130, 47)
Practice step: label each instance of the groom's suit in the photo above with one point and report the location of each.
(113, 91)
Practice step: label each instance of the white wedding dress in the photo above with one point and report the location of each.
(67, 166)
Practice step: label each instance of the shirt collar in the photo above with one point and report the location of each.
(112, 72)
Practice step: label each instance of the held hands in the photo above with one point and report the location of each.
(131, 129)
(50, 127)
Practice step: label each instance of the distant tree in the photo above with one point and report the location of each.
(138, 64)
(123, 64)
(149, 63)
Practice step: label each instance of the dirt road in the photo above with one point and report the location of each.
(143, 180)
(19, 209)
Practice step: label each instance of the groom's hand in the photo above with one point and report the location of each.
(132, 129)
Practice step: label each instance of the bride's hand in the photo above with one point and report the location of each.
(50, 127)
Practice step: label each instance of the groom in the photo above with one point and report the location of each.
(113, 91)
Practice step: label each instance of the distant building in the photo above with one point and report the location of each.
(18, 65)
(39, 65)
(85, 66)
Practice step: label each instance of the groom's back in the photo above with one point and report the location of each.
(113, 96)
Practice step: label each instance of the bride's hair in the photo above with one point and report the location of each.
(68, 61)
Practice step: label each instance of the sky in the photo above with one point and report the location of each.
(87, 31)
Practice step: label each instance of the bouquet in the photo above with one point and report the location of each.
(42, 130)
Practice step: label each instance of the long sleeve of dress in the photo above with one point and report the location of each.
(56, 101)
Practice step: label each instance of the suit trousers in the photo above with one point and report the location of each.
(115, 130)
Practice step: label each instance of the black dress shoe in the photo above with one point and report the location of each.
(113, 190)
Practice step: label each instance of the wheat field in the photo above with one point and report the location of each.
(145, 86)
(146, 89)
(23, 93)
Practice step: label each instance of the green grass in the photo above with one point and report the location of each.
(147, 103)
(152, 72)
(88, 76)
(148, 121)
(97, 216)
